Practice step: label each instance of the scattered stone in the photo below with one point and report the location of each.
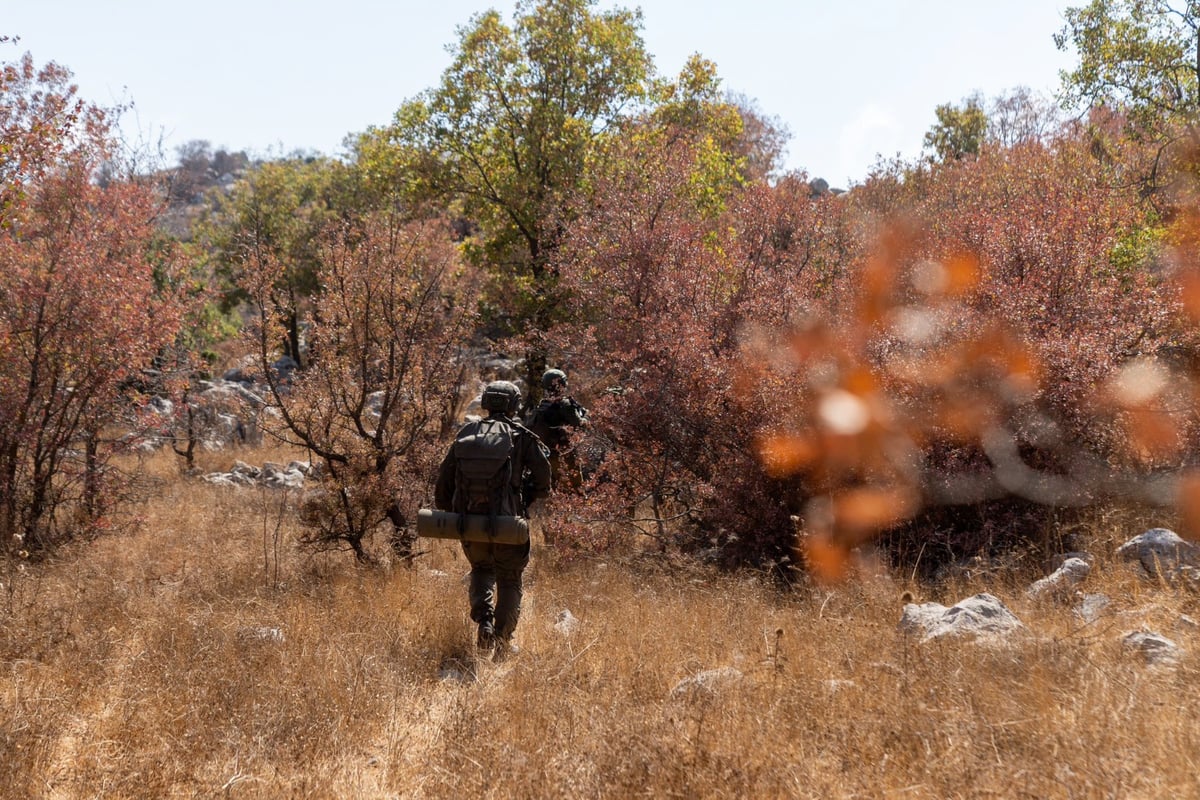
(455, 670)
(1091, 607)
(284, 367)
(218, 479)
(1189, 576)
(500, 366)
(374, 405)
(566, 623)
(835, 685)
(161, 406)
(980, 616)
(1155, 648)
(921, 617)
(1062, 583)
(249, 470)
(1161, 552)
(260, 634)
(238, 375)
(146, 444)
(1062, 558)
(279, 477)
(707, 682)
(271, 475)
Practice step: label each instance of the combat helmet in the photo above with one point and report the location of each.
(551, 376)
(501, 397)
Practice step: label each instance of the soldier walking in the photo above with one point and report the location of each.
(496, 467)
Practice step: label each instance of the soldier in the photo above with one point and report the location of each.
(552, 421)
(497, 467)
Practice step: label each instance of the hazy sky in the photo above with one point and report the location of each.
(851, 80)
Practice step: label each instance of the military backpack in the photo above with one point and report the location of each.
(483, 453)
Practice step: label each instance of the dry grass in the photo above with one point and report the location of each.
(145, 665)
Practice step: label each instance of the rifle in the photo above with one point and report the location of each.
(579, 410)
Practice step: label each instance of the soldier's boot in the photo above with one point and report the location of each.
(505, 649)
(486, 638)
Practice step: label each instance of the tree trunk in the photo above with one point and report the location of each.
(91, 476)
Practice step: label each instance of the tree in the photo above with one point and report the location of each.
(199, 169)
(664, 287)
(507, 134)
(1141, 60)
(959, 131)
(762, 142)
(773, 361)
(40, 112)
(82, 306)
(381, 391)
(971, 350)
(692, 110)
(1139, 55)
(1008, 120)
(274, 215)
(1020, 116)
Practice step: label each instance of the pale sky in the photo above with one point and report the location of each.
(851, 80)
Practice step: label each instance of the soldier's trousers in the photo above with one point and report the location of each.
(495, 590)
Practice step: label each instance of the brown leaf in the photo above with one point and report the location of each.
(962, 274)
(1189, 292)
(828, 560)
(787, 454)
(1188, 502)
(861, 513)
(1153, 434)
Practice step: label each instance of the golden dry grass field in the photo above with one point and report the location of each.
(202, 655)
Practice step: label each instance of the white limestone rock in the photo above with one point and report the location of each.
(1161, 553)
(1062, 583)
(1155, 648)
(1092, 607)
(980, 616)
(566, 623)
(708, 682)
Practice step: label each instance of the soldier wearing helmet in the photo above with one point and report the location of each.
(553, 420)
(495, 589)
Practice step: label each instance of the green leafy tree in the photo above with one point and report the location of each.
(1139, 64)
(506, 135)
(274, 215)
(1142, 56)
(960, 130)
(692, 110)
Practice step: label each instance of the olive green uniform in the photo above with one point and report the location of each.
(496, 569)
(551, 421)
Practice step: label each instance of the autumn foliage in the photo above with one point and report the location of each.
(980, 333)
(779, 376)
(83, 308)
(386, 375)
